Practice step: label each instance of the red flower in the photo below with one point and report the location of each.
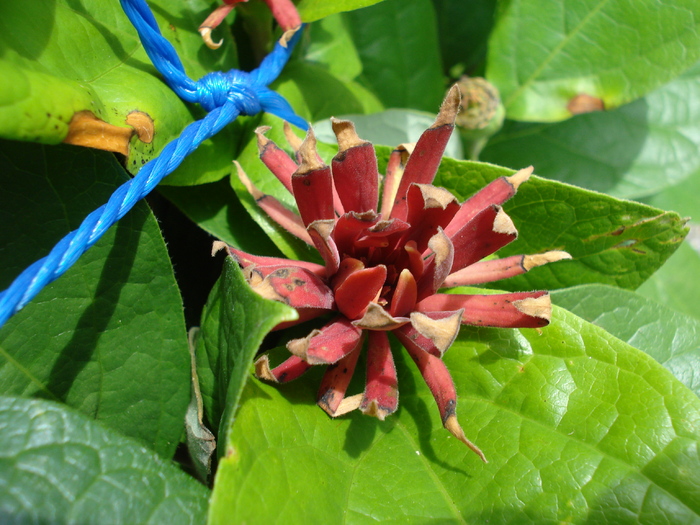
(383, 269)
(283, 11)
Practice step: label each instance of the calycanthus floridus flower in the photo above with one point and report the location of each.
(384, 266)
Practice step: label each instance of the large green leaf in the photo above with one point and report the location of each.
(234, 322)
(463, 30)
(311, 10)
(397, 43)
(577, 426)
(543, 54)
(635, 150)
(673, 339)
(58, 466)
(676, 283)
(108, 337)
(44, 84)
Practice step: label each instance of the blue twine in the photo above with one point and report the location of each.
(225, 95)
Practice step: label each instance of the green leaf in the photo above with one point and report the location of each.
(58, 466)
(312, 10)
(612, 241)
(44, 84)
(681, 198)
(331, 46)
(234, 322)
(215, 208)
(108, 337)
(676, 284)
(542, 54)
(632, 151)
(673, 339)
(463, 30)
(397, 43)
(577, 426)
(316, 94)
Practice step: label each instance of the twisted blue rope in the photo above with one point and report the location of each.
(224, 95)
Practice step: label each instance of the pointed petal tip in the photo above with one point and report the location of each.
(346, 134)
(520, 176)
(217, 246)
(377, 318)
(206, 36)
(455, 429)
(262, 139)
(539, 259)
(309, 155)
(442, 332)
(348, 404)
(374, 410)
(449, 108)
(263, 370)
(540, 307)
(288, 35)
(502, 223)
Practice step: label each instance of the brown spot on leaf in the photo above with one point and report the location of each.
(583, 103)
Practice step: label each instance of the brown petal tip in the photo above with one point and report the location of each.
(535, 307)
(449, 108)
(292, 139)
(299, 347)
(263, 370)
(348, 404)
(517, 178)
(377, 318)
(346, 134)
(217, 246)
(502, 223)
(453, 426)
(373, 409)
(287, 36)
(442, 332)
(255, 192)
(532, 261)
(262, 139)
(309, 155)
(435, 196)
(206, 36)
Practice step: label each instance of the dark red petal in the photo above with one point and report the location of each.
(313, 185)
(405, 294)
(510, 310)
(433, 332)
(287, 371)
(429, 208)
(381, 397)
(276, 159)
(497, 269)
(496, 192)
(426, 156)
(350, 226)
(247, 259)
(440, 383)
(327, 345)
(331, 394)
(353, 296)
(354, 168)
(294, 286)
(321, 234)
(486, 233)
